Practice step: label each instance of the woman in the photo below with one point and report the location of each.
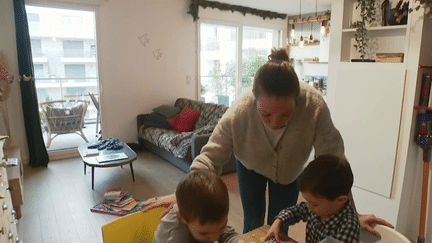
(271, 130)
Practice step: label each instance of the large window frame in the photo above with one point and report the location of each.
(277, 43)
(52, 82)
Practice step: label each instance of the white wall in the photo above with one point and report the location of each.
(8, 47)
(132, 80)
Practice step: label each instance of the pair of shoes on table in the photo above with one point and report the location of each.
(109, 144)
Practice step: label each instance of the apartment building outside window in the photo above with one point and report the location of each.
(73, 48)
(36, 47)
(33, 21)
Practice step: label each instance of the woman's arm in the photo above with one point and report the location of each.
(218, 149)
(367, 221)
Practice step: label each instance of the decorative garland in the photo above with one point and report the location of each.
(193, 9)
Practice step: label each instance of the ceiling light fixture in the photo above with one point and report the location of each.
(293, 33)
(301, 32)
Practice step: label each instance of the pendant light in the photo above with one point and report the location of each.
(323, 28)
(316, 16)
(293, 33)
(311, 36)
(301, 32)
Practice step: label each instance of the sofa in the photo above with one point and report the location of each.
(177, 133)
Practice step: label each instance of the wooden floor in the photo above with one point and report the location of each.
(58, 198)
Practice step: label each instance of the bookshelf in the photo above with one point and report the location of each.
(382, 39)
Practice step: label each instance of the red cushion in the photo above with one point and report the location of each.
(185, 121)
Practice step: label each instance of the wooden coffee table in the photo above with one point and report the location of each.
(89, 159)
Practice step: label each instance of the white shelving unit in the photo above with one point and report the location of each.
(372, 106)
(367, 97)
(382, 39)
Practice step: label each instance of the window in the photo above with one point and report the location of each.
(33, 21)
(39, 71)
(73, 48)
(36, 46)
(75, 71)
(219, 59)
(218, 65)
(65, 59)
(257, 45)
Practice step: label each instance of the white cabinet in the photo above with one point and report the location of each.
(366, 99)
(8, 229)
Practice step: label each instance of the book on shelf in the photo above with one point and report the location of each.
(389, 57)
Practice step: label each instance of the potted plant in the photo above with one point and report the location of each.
(367, 16)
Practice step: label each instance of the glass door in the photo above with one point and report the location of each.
(218, 61)
(223, 48)
(64, 54)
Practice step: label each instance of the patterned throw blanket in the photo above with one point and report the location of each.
(182, 142)
(173, 141)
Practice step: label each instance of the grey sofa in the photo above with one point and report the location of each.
(180, 148)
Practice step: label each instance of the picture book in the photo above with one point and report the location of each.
(102, 208)
(117, 202)
(113, 194)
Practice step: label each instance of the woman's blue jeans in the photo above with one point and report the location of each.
(252, 192)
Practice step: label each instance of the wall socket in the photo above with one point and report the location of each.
(188, 79)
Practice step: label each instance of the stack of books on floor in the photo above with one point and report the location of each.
(117, 202)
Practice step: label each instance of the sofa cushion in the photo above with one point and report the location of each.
(167, 111)
(185, 121)
(210, 113)
(155, 119)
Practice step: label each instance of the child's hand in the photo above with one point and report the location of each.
(274, 230)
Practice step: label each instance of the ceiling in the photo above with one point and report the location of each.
(289, 7)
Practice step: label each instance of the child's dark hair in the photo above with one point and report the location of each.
(327, 176)
(277, 77)
(202, 196)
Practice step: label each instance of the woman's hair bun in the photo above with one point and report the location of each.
(278, 55)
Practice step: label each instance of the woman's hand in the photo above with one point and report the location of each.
(274, 230)
(166, 201)
(368, 221)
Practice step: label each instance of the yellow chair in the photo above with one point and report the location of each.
(137, 227)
